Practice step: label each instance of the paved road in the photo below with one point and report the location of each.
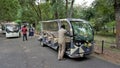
(14, 53)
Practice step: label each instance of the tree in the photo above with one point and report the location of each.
(117, 17)
(28, 10)
(71, 9)
(57, 8)
(103, 13)
(9, 10)
(66, 8)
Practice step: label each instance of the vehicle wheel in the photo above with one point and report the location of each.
(19, 35)
(42, 44)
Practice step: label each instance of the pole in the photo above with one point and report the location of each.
(102, 46)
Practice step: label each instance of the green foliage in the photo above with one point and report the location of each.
(38, 27)
(104, 12)
(9, 10)
(43, 11)
(101, 13)
(28, 14)
(57, 8)
(28, 11)
(111, 24)
(46, 11)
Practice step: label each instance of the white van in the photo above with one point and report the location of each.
(11, 29)
(0, 29)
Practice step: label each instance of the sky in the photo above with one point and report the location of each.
(88, 2)
(79, 2)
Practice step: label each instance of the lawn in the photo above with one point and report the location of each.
(109, 39)
(108, 42)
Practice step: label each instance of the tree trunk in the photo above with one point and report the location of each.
(56, 14)
(39, 9)
(117, 17)
(71, 9)
(66, 8)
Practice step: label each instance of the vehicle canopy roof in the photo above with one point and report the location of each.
(66, 19)
(10, 23)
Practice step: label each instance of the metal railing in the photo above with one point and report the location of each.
(101, 46)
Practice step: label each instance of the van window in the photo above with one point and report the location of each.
(51, 26)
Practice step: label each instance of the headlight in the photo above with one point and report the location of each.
(87, 44)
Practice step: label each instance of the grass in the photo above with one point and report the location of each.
(109, 40)
(105, 38)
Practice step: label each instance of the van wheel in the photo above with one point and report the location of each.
(42, 44)
(20, 34)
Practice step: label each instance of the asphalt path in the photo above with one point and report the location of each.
(14, 53)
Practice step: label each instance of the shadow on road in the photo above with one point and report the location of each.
(2, 35)
(68, 58)
(13, 38)
(81, 59)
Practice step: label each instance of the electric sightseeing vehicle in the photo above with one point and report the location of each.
(11, 29)
(79, 40)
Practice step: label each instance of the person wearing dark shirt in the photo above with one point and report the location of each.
(31, 31)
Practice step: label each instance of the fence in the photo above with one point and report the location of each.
(103, 46)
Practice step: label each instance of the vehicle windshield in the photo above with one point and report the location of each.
(11, 27)
(82, 30)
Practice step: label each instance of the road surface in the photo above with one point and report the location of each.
(14, 53)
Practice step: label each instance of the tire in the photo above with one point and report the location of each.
(42, 44)
(19, 35)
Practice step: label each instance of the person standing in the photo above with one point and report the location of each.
(24, 32)
(61, 42)
(31, 31)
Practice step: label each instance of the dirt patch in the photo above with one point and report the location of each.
(108, 55)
